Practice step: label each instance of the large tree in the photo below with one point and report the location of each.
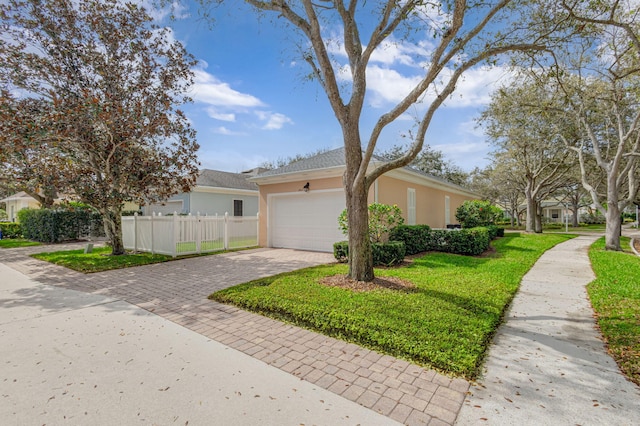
(430, 161)
(26, 160)
(518, 124)
(110, 82)
(447, 38)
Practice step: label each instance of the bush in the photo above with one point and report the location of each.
(593, 218)
(494, 231)
(476, 213)
(56, 225)
(10, 230)
(414, 237)
(388, 254)
(472, 241)
(384, 254)
(382, 219)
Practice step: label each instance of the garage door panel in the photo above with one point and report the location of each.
(307, 221)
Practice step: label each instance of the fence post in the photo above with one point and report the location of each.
(226, 230)
(153, 252)
(198, 230)
(135, 232)
(176, 231)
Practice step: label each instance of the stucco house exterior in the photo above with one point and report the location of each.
(17, 202)
(215, 193)
(300, 202)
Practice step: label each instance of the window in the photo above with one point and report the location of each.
(237, 208)
(411, 206)
(447, 210)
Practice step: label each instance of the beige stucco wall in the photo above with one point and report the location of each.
(430, 202)
(288, 187)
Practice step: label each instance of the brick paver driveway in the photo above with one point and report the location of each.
(178, 291)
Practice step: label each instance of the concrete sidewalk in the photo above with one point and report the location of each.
(547, 364)
(74, 358)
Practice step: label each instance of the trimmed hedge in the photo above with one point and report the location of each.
(384, 254)
(10, 230)
(56, 225)
(415, 237)
(470, 241)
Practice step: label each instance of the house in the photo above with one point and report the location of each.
(215, 193)
(17, 202)
(300, 202)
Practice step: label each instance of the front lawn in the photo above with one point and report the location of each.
(446, 322)
(17, 242)
(99, 259)
(615, 296)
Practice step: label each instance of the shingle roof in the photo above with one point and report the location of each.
(335, 158)
(218, 179)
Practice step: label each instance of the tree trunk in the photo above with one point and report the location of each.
(538, 218)
(532, 211)
(113, 229)
(574, 219)
(360, 257)
(614, 221)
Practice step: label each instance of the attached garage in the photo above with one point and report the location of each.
(305, 220)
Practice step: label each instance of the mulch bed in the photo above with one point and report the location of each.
(391, 283)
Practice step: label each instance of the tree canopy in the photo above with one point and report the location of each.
(95, 86)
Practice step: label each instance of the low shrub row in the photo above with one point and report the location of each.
(384, 254)
(471, 241)
(10, 230)
(56, 225)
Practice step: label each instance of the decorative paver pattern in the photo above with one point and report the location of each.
(178, 291)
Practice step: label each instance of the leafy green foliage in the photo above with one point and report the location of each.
(384, 254)
(446, 323)
(473, 213)
(615, 296)
(415, 237)
(56, 225)
(382, 219)
(10, 230)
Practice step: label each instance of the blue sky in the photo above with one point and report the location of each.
(253, 104)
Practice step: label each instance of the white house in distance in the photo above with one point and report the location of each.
(17, 202)
(215, 193)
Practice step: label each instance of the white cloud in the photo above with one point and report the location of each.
(224, 131)
(209, 90)
(275, 121)
(222, 116)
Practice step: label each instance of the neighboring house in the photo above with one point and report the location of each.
(17, 202)
(22, 200)
(300, 202)
(215, 193)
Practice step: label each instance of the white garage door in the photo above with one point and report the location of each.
(306, 220)
(168, 207)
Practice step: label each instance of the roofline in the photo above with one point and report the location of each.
(222, 190)
(436, 183)
(323, 172)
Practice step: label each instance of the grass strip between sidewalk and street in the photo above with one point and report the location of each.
(446, 322)
(615, 296)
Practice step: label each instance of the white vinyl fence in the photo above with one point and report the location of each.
(180, 235)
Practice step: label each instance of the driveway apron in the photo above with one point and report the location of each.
(178, 290)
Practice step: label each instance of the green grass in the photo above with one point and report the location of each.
(615, 296)
(99, 259)
(446, 323)
(17, 242)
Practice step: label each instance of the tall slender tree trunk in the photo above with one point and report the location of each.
(538, 228)
(112, 221)
(532, 210)
(614, 221)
